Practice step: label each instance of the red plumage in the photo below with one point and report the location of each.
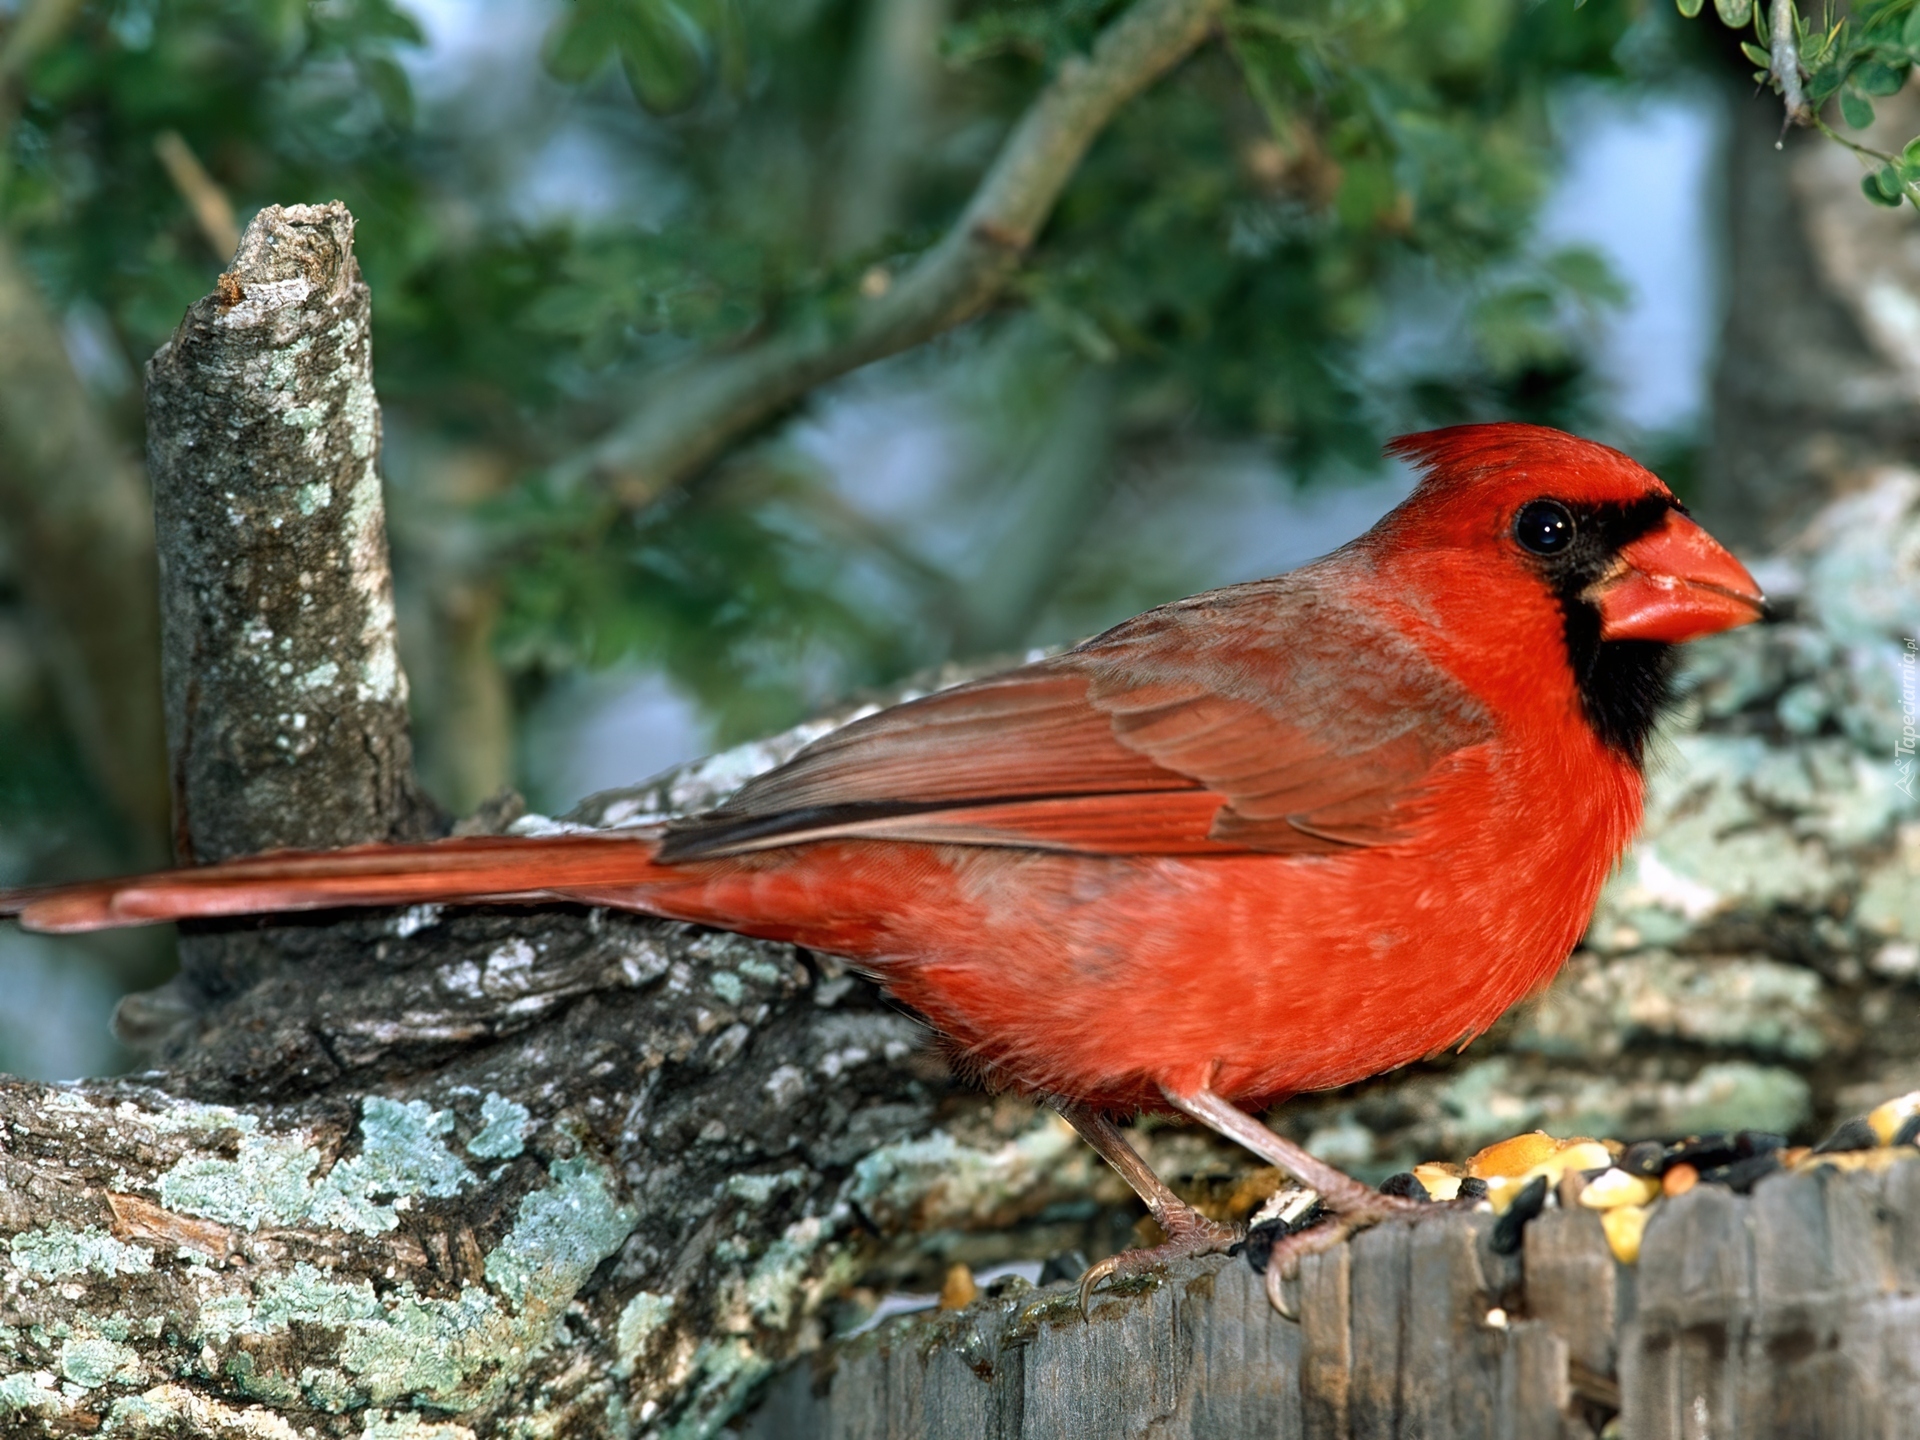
(1273, 838)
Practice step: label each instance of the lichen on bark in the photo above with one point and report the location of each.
(566, 1173)
(285, 701)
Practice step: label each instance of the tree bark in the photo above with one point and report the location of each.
(286, 704)
(1814, 384)
(479, 1168)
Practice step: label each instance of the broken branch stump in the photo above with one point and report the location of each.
(286, 704)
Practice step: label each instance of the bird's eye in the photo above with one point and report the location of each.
(1544, 526)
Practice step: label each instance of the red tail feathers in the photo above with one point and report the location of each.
(551, 867)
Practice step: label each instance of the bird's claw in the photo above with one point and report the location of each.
(1283, 1261)
(1187, 1235)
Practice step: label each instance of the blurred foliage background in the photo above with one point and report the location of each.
(584, 219)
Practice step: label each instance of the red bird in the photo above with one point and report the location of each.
(1274, 838)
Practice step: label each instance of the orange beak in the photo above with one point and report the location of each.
(1674, 584)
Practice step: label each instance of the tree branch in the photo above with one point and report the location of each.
(1786, 62)
(212, 210)
(286, 704)
(77, 512)
(895, 86)
(699, 410)
(474, 1167)
(81, 532)
(38, 25)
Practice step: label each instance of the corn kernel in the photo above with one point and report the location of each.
(1625, 1225)
(1613, 1188)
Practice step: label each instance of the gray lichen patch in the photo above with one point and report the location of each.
(93, 1361)
(270, 1180)
(31, 1393)
(503, 1124)
(453, 1353)
(408, 1425)
(1890, 899)
(560, 1235)
(168, 1411)
(641, 1318)
(1601, 1005)
(938, 1181)
(55, 1251)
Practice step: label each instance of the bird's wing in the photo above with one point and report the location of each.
(1263, 717)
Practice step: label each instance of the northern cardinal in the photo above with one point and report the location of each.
(1274, 838)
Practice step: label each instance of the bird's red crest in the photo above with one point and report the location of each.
(1477, 459)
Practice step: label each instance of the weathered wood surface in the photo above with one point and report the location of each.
(1789, 1314)
(1795, 1313)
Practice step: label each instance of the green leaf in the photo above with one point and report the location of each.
(379, 19)
(1754, 53)
(1586, 276)
(1870, 187)
(284, 24)
(662, 59)
(1855, 110)
(1822, 83)
(725, 32)
(1877, 79)
(581, 42)
(659, 46)
(1888, 179)
(1911, 155)
(1689, 8)
(1910, 32)
(1734, 14)
(383, 75)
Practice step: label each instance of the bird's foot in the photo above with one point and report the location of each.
(1188, 1232)
(1283, 1262)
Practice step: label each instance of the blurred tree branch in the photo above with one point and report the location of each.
(37, 26)
(81, 531)
(1785, 55)
(694, 414)
(212, 210)
(78, 518)
(895, 82)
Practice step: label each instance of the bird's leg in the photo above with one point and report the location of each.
(1188, 1232)
(1355, 1206)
